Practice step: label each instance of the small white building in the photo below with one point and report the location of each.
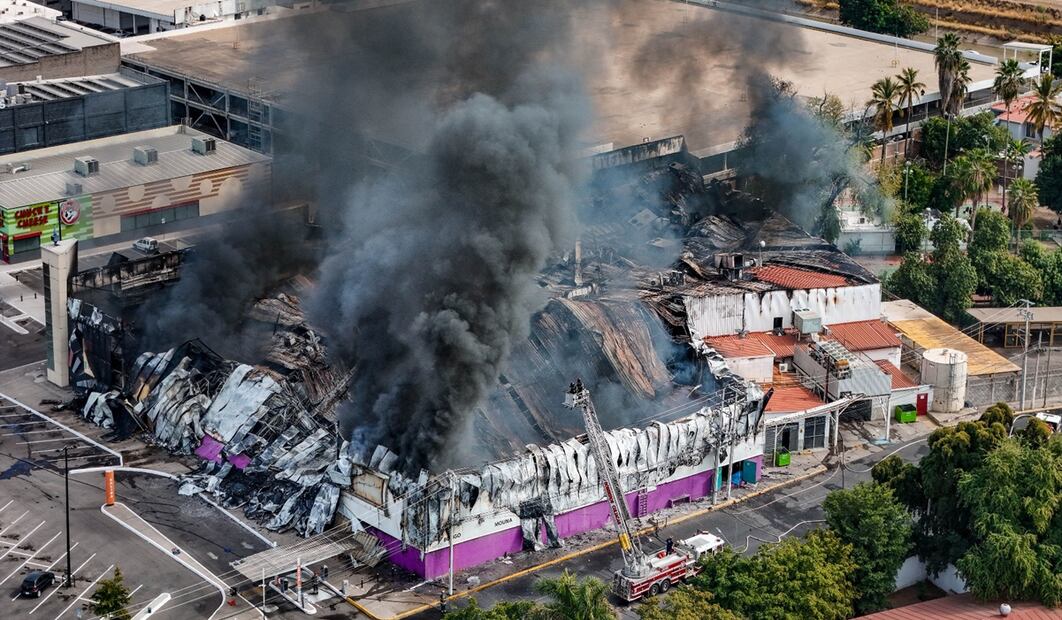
(147, 16)
(869, 233)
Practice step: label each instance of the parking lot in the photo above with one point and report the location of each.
(33, 532)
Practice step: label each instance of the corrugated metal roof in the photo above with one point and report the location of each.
(793, 398)
(793, 278)
(51, 168)
(927, 331)
(995, 316)
(899, 380)
(865, 335)
(965, 607)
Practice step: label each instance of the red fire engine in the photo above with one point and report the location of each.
(641, 575)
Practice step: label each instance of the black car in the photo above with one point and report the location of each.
(37, 582)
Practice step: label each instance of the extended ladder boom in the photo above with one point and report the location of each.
(633, 558)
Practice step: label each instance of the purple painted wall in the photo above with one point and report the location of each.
(595, 516)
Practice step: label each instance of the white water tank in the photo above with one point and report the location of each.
(945, 370)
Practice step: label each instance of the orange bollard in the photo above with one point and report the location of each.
(108, 486)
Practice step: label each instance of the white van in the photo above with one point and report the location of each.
(147, 245)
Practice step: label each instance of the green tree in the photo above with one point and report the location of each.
(1014, 498)
(974, 172)
(947, 235)
(1007, 85)
(960, 87)
(1014, 152)
(1023, 202)
(883, 96)
(685, 603)
(575, 599)
(910, 232)
(797, 578)
(947, 58)
(878, 528)
(956, 281)
(507, 610)
(912, 280)
(909, 88)
(884, 16)
(829, 109)
(1049, 177)
(988, 244)
(111, 598)
(1014, 279)
(1043, 108)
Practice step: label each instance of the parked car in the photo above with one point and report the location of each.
(36, 583)
(147, 245)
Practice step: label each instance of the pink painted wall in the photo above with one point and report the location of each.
(492, 546)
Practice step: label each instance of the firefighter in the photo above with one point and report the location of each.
(669, 545)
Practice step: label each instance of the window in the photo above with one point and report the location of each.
(159, 216)
(777, 323)
(26, 244)
(815, 432)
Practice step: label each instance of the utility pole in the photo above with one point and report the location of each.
(718, 450)
(1026, 314)
(732, 431)
(1047, 373)
(450, 529)
(947, 137)
(66, 481)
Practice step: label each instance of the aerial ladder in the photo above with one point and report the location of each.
(642, 574)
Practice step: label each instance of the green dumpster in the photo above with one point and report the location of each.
(781, 458)
(905, 414)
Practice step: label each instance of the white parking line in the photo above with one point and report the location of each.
(47, 430)
(50, 566)
(24, 443)
(78, 598)
(66, 428)
(6, 505)
(134, 591)
(57, 588)
(20, 566)
(13, 523)
(22, 540)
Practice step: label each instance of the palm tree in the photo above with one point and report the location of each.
(1014, 152)
(982, 173)
(576, 599)
(1023, 203)
(884, 94)
(909, 88)
(1043, 109)
(947, 58)
(960, 87)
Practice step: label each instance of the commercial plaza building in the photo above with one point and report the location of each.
(121, 184)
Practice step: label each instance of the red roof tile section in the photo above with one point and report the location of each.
(736, 346)
(794, 278)
(864, 335)
(965, 607)
(899, 380)
(754, 344)
(790, 399)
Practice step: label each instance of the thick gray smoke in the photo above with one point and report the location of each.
(431, 272)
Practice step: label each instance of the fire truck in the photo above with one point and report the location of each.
(642, 574)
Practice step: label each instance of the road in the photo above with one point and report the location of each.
(789, 511)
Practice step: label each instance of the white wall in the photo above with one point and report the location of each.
(720, 315)
(759, 369)
(913, 571)
(889, 354)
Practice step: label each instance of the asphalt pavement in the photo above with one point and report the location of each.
(788, 511)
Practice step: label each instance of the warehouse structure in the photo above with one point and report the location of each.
(132, 17)
(40, 48)
(44, 113)
(122, 184)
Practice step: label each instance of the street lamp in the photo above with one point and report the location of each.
(66, 479)
(906, 177)
(947, 138)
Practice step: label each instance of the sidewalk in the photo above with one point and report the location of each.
(131, 521)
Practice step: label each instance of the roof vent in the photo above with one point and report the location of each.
(86, 166)
(73, 188)
(145, 155)
(204, 146)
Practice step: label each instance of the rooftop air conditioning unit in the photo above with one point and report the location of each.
(145, 155)
(204, 146)
(73, 188)
(86, 166)
(807, 321)
(783, 367)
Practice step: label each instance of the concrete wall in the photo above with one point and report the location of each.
(96, 60)
(758, 369)
(913, 571)
(890, 354)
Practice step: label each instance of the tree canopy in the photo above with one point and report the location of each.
(1049, 176)
(570, 598)
(685, 603)
(797, 578)
(111, 597)
(885, 16)
(878, 528)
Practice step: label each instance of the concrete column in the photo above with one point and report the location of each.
(60, 262)
(153, 25)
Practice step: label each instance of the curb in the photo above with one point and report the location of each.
(815, 471)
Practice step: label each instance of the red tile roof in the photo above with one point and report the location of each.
(754, 344)
(790, 399)
(794, 278)
(965, 607)
(736, 346)
(899, 380)
(1018, 114)
(864, 335)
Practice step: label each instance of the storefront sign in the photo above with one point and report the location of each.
(71, 217)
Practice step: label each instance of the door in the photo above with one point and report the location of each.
(922, 403)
